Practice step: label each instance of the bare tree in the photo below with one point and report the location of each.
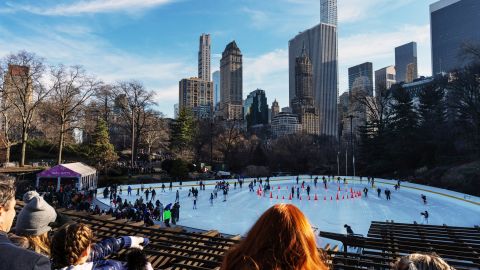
(133, 101)
(10, 129)
(156, 132)
(23, 89)
(71, 89)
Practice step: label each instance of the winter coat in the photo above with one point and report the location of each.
(13, 257)
(167, 214)
(96, 259)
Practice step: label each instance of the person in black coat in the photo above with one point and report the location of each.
(11, 256)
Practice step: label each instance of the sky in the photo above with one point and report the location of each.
(156, 41)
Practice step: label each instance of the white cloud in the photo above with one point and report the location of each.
(350, 11)
(379, 48)
(258, 19)
(159, 73)
(269, 72)
(92, 6)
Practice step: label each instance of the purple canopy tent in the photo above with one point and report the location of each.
(86, 176)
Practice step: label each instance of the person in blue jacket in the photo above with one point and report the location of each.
(73, 249)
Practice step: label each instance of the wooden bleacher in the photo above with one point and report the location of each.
(386, 242)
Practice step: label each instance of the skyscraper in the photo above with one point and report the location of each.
(197, 95)
(303, 105)
(275, 109)
(231, 85)
(321, 46)
(360, 77)
(216, 88)
(406, 62)
(204, 58)
(255, 108)
(384, 79)
(453, 23)
(328, 12)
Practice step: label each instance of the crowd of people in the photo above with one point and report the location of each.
(42, 238)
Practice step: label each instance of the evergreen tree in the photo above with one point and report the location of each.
(102, 151)
(432, 126)
(183, 130)
(404, 129)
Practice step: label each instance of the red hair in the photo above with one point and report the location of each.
(281, 239)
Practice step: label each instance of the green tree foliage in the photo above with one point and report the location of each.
(183, 130)
(102, 151)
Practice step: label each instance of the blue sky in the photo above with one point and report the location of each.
(156, 41)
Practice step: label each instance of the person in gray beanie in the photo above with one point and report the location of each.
(33, 224)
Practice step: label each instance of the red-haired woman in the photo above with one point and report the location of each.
(281, 239)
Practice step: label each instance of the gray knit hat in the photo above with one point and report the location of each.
(35, 216)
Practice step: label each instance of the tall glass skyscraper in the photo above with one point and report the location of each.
(216, 88)
(406, 62)
(360, 77)
(255, 108)
(453, 23)
(328, 12)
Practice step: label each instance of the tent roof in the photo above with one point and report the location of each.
(80, 168)
(76, 169)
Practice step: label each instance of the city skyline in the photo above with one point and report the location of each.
(132, 42)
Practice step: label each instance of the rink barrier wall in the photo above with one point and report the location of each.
(301, 178)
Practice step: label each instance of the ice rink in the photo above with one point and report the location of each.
(242, 208)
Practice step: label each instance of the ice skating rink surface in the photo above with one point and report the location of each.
(242, 208)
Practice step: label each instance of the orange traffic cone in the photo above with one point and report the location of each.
(337, 197)
(316, 198)
(343, 197)
(283, 197)
(290, 197)
(271, 195)
(338, 188)
(309, 198)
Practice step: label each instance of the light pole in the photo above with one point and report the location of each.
(338, 163)
(133, 136)
(352, 144)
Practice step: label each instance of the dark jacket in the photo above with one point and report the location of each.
(16, 258)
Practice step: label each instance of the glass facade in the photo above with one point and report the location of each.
(360, 77)
(453, 23)
(406, 62)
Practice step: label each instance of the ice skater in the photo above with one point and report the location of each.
(129, 191)
(365, 191)
(379, 192)
(163, 187)
(171, 185)
(425, 217)
(308, 191)
(147, 193)
(387, 193)
(194, 202)
(154, 193)
(211, 198)
(424, 198)
(177, 197)
(298, 193)
(297, 179)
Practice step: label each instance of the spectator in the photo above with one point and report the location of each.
(73, 248)
(32, 226)
(348, 229)
(13, 257)
(282, 238)
(137, 260)
(422, 261)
